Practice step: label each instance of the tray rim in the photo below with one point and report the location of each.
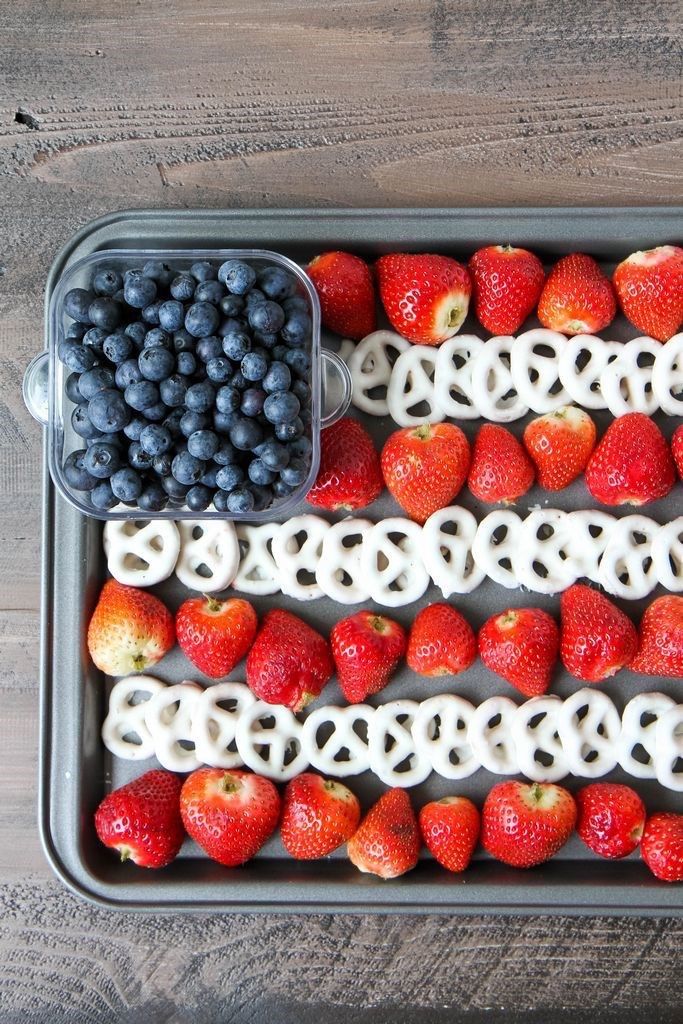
(573, 908)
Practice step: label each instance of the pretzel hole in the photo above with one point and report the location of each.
(544, 351)
(536, 720)
(132, 737)
(377, 391)
(352, 540)
(305, 578)
(186, 745)
(342, 756)
(342, 577)
(134, 562)
(677, 766)
(645, 360)
(134, 526)
(647, 718)
(545, 532)
(640, 754)
(600, 729)
(591, 756)
(404, 765)
(495, 721)
(360, 727)
(581, 713)
(197, 532)
(555, 387)
(435, 728)
(138, 697)
(458, 396)
(454, 757)
(539, 569)
(291, 751)
(203, 570)
(544, 758)
(323, 733)
(595, 530)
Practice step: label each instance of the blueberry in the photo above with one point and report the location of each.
(295, 304)
(198, 497)
(76, 471)
(289, 431)
(245, 434)
(106, 282)
(238, 277)
(263, 496)
(282, 490)
(77, 303)
(81, 422)
(302, 391)
(201, 319)
(173, 488)
(278, 378)
(155, 439)
(220, 501)
(266, 316)
(238, 382)
(153, 497)
(172, 422)
(279, 352)
(138, 290)
(76, 356)
(236, 345)
(108, 411)
(94, 338)
(157, 337)
(156, 413)
(150, 314)
(295, 473)
(254, 298)
(171, 315)
(183, 341)
(154, 269)
(219, 370)
(191, 421)
(301, 448)
(141, 395)
(298, 361)
(229, 477)
(105, 312)
(273, 455)
(161, 464)
(185, 363)
(136, 332)
(231, 325)
(209, 477)
(182, 287)
(225, 455)
(281, 407)
(117, 347)
(138, 457)
(240, 500)
(209, 348)
(203, 444)
(127, 373)
(209, 291)
(276, 283)
(126, 484)
(254, 366)
(223, 421)
(102, 459)
(296, 329)
(265, 340)
(134, 428)
(231, 305)
(102, 496)
(227, 399)
(187, 469)
(75, 332)
(173, 390)
(95, 380)
(156, 363)
(259, 473)
(202, 270)
(200, 397)
(72, 387)
(252, 401)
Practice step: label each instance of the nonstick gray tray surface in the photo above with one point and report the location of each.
(76, 771)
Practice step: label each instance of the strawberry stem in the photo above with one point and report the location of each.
(213, 604)
(229, 784)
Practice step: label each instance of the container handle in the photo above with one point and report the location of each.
(337, 388)
(34, 388)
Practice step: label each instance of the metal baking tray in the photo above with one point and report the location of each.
(76, 770)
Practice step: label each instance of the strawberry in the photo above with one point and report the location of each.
(677, 449)
(450, 830)
(560, 445)
(632, 464)
(660, 643)
(142, 819)
(425, 296)
(506, 286)
(318, 815)
(366, 649)
(662, 846)
(424, 467)
(596, 638)
(289, 663)
(350, 475)
(500, 470)
(441, 642)
(129, 631)
(577, 297)
(611, 818)
(215, 635)
(230, 814)
(387, 842)
(649, 286)
(521, 645)
(347, 293)
(523, 825)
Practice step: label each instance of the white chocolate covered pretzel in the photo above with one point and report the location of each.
(453, 376)
(338, 573)
(124, 731)
(342, 751)
(495, 555)
(214, 725)
(540, 560)
(669, 748)
(667, 555)
(440, 733)
(493, 390)
(580, 367)
(588, 531)
(391, 562)
(535, 374)
(626, 567)
(257, 573)
(626, 382)
(371, 369)
(638, 736)
(490, 735)
(394, 757)
(412, 388)
(297, 547)
(268, 738)
(538, 747)
(168, 716)
(667, 376)
(590, 742)
(448, 536)
(141, 553)
(209, 554)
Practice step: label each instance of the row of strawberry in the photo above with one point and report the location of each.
(231, 814)
(426, 297)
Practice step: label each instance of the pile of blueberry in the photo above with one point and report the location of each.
(190, 388)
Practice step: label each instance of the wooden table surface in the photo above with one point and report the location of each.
(201, 104)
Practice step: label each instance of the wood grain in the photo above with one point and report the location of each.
(203, 103)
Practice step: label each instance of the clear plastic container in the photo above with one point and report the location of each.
(46, 398)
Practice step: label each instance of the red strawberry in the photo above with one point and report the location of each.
(523, 825)
(649, 286)
(611, 818)
(387, 842)
(506, 286)
(215, 635)
(450, 830)
(560, 444)
(521, 645)
(632, 464)
(425, 296)
(596, 638)
(318, 815)
(424, 467)
(577, 297)
(142, 819)
(289, 663)
(230, 814)
(662, 846)
(441, 642)
(129, 631)
(366, 649)
(347, 293)
(500, 470)
(660, 644)
(677, 449)
(350, 475)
